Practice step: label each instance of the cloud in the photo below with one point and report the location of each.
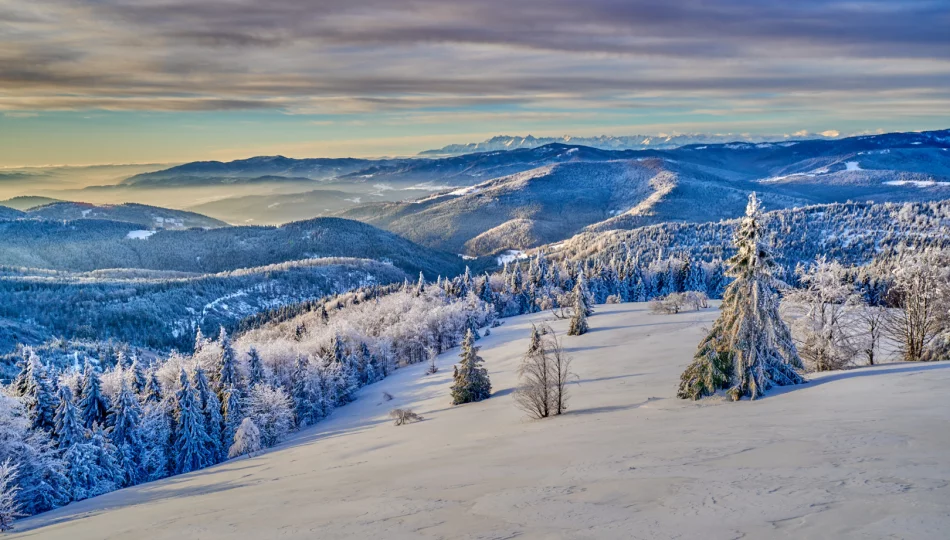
(368, 56)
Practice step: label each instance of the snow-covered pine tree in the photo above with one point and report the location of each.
(421, 285)
(578, 325)
(200, 341)
(94, 407)
(125, 417)
(534, 344)
(255, 367)
(749, 349)
(582, 294)
(10, 508)
(156, 429)
(247, 440)
(210, 407)
(39, 394)
(191, 437)
(232, 410)
(471, 377)
(227, 374)
(137, 376)
(68, 427)
(153, 388)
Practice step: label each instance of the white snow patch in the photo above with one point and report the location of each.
(86, 212)
(852, 166)
(511, 255)
(916, 183)
(354, 200)
(139, 235)
(467, 257)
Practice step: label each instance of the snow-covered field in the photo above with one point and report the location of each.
(858, 454)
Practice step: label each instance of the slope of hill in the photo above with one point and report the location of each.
(849, 455)
(160, 310)
(261, 168)
(25, 202)
(550, 203)
(11, 213)
(86, 245)
(279, 208)
(149, 217)
(851, 233)
(593, 189)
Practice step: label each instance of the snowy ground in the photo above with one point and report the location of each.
(859, 454)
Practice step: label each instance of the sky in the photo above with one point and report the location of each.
(158, 81)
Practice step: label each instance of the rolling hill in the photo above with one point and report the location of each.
(86, 245)
(851, 454)
(597, 190)
(148, 217)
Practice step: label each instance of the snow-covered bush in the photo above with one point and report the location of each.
(271, 410)
(247, 440)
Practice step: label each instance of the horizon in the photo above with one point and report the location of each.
(421, 153)
(117, 82)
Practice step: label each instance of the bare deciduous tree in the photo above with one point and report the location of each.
(545, 372)
(404, 416)
(823, 339)
(873, 319)
(921, 294)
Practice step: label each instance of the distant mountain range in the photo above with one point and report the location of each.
(144, 216)
(574, 189)
(614, 142)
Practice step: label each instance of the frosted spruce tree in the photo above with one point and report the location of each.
(39, 396)
(227, 374)
(92, 403)
(255, 367)
(749, 349)
(68, 427)
(471, 378)
(578, 326)
(125, 417)
(191, 438)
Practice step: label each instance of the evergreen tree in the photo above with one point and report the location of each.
(255, 367)
(471, 378)
(749, 348)
(200, 341)
(421, 285)
(94, 407)
(153, 388)
(232, 411)
(210, 407)
(191, 437)
(582, 296)
(227, 366)
(578, 326)
(125, 417)
(38, 394)
(138, 377)
(534, 344)
(68, 428)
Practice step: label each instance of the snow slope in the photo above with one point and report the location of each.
(859, 454)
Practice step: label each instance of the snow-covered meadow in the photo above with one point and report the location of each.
(854, 454)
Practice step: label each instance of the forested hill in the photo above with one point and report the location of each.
(148, 217)
(86, 245)
(851, 233)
